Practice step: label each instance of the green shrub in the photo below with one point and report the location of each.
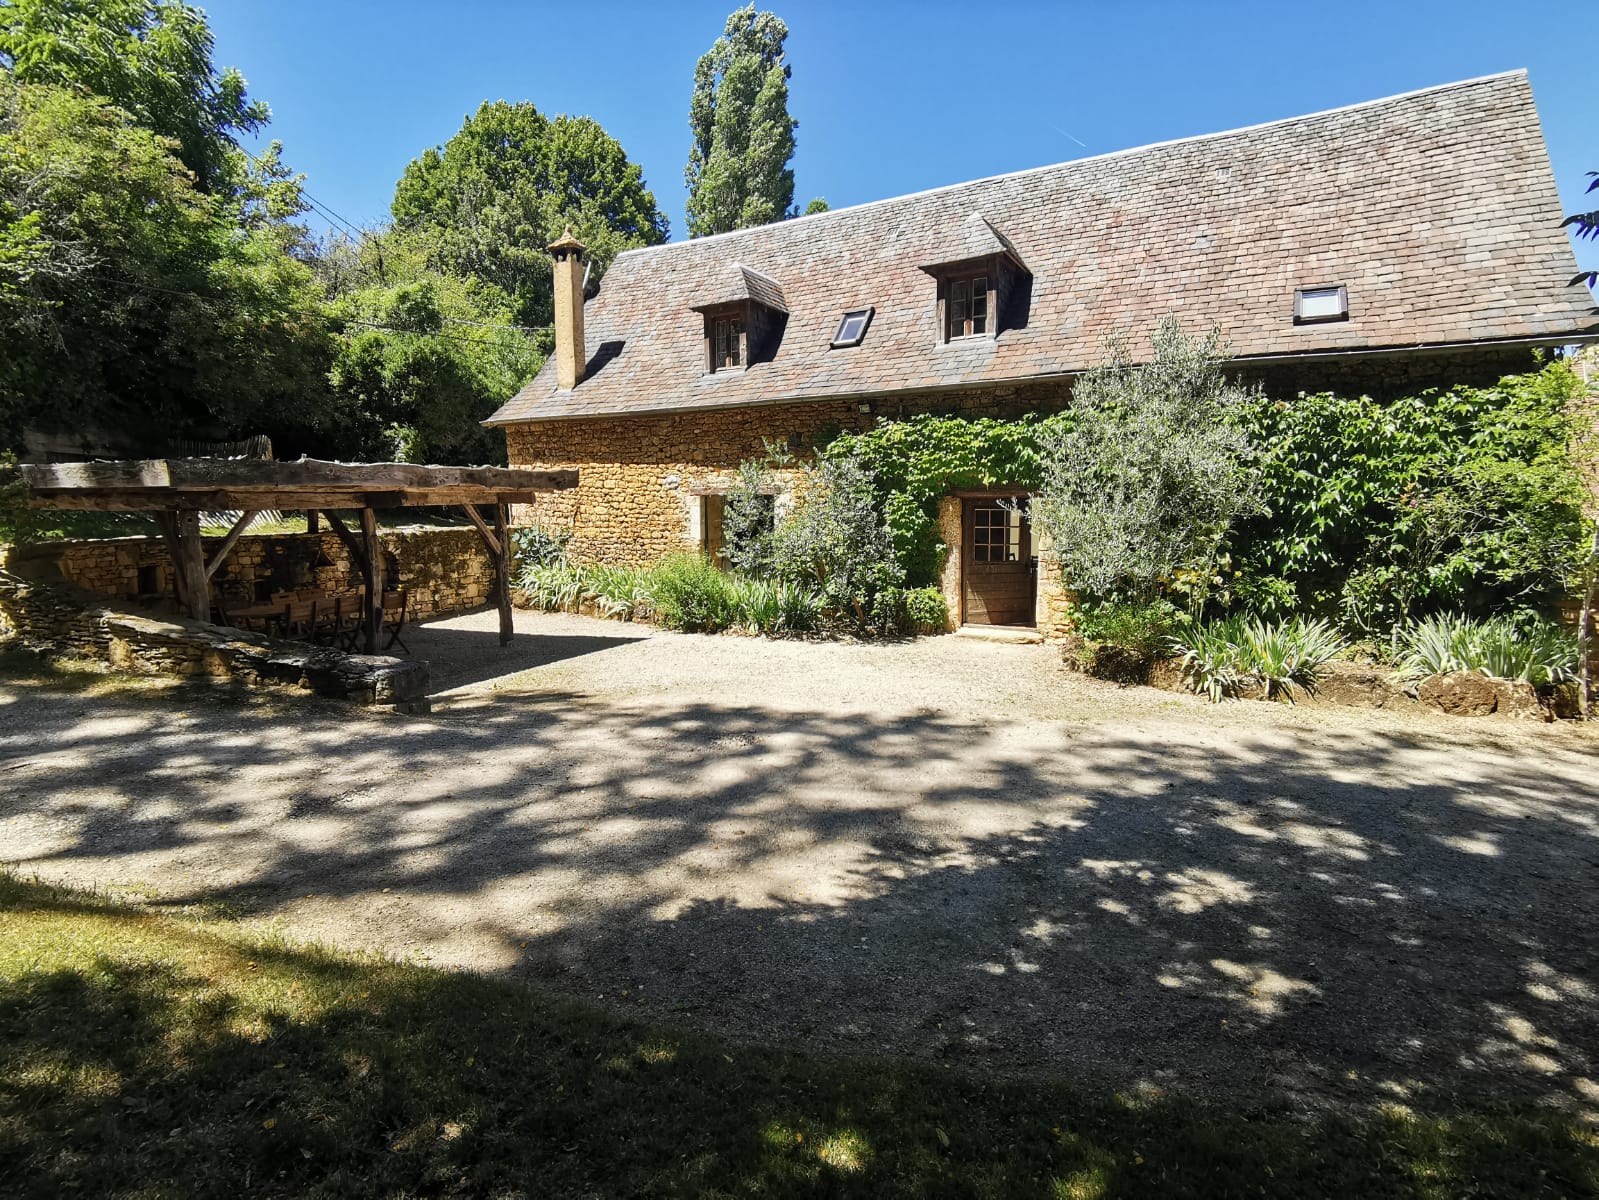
(1119, 640)
(834, 541)
(1539, 654)
(690, 593)
(1229, 656)
(1466, 499)
(1150, 476)
(926, 610)
(749, 514)
(536, 546)
(897, 610)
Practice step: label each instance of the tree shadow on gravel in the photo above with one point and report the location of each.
(175, 1058)
(1347, 919)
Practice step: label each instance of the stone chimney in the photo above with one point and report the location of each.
(571, 355)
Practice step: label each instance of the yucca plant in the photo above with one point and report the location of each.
(1225, 657)
(1210, 657)
(800, 607)
(1540, 654)
(1285, 655)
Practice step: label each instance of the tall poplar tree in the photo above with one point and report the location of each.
(738, 171)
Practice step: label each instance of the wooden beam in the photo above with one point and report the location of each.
(502, 573)
(312, 521)
(373, 577)
(489, 540)
(351, 542)
(211, 474)
(227, 543)
(194, 583)
(216, 501)
(263, 499)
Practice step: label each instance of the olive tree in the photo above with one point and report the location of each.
(1149, 476)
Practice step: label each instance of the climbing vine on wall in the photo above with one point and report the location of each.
(918, 461)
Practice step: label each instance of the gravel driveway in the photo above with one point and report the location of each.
(944, 848)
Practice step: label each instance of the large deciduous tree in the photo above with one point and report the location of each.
(738, 171)
(134, 303)
(151, 58)
(487, 202)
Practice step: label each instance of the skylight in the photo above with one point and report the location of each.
(853, 327)
(1321, 304)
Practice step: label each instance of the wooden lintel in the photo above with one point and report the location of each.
(489, 539)
(239, 527)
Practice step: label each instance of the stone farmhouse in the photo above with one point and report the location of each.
(1385, 247)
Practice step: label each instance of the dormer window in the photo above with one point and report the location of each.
(966, 307)
(744, 315)
(984, 287)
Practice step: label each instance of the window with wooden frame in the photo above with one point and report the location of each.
(727, 342)
(967, 306)
(996, 534)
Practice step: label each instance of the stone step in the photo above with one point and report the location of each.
(1013, 635)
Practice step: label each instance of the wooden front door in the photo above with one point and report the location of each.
(997, 574)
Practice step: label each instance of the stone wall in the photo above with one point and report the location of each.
(641, 478)
(444, 570)
(58, 619)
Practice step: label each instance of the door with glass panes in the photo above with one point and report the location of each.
(997, 569)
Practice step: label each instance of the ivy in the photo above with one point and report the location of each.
(918, 461)
(1461, 499)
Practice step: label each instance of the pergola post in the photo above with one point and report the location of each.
(194, 584)
(502, 573)
(372, 576)
(497, 542)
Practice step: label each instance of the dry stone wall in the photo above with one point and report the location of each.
(444, 570)
(58, 619)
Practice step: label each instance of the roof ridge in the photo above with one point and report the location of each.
(1055, 166)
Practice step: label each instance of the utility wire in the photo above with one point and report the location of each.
(366, 235)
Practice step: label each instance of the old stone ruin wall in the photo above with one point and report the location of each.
(57, 619)
(443, 570)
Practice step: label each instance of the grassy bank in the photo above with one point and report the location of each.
(146, 1055)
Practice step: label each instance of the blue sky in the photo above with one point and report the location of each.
(891, 97)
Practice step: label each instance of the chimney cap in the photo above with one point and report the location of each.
(567, 241)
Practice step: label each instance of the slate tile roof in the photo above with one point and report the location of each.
(1437, 209)
(738, 282)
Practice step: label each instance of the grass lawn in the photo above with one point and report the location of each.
(158, 1055)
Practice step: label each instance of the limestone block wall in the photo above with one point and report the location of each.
(640, 478)
(445, 569)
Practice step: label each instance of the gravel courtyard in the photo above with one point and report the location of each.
(945, 849)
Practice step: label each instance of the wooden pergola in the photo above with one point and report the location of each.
(178, 490)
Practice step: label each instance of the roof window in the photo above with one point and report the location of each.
(853, 327)
(1315, 304)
